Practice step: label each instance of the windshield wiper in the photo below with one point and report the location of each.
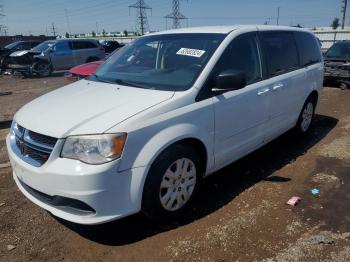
(99, 79)
(130, 83)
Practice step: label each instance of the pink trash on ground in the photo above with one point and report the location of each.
(293, 200)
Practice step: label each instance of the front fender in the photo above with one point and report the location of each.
(153, 148)
(154, 145)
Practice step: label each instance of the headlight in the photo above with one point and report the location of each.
(94, 149)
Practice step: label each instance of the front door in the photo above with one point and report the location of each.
(240, 115)
(62, 56)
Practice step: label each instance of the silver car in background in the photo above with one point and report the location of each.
(55, 55)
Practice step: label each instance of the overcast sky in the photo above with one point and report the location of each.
(36, 16)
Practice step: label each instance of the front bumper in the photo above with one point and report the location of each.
(19, 68)
(109, 193)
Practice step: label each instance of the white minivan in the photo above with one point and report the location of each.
(161, 114)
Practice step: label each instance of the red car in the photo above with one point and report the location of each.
(84, 70)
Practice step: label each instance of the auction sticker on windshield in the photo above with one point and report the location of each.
(190, 52)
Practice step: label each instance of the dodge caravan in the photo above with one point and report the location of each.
(159, 116)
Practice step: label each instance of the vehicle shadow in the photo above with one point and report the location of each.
(217, 190)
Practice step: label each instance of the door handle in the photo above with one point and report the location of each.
(264, 91)
(276, 87)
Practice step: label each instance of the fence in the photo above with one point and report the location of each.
(329, 37)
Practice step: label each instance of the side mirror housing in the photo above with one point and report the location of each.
(229, 80)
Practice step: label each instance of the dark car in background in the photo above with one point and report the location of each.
(110, 45)
(13, 47)
(55, 55)
(337, 64)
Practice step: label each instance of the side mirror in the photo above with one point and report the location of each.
(229, 80)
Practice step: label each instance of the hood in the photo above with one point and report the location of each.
(86, 69)
(19, 53)
(86, 107)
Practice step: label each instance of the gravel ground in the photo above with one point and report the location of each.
(240, 214)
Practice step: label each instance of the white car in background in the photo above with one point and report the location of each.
(161, 114)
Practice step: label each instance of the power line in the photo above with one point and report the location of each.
(142, 21)
(343, 9)
(176, 16)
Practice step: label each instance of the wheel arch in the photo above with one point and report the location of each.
(180, 134)
(314, 96)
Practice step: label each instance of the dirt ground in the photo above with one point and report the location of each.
(240, 213)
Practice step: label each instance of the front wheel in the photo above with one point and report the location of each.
(42, 69)
(172, 182)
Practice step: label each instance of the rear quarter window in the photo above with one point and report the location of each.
(280, 52)
(308, 47)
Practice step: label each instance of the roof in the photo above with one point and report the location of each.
(227, 29)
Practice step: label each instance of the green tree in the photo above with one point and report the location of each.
(335, 23)
(93, 33)
(125, 33)
(67, 35)
(104, 32)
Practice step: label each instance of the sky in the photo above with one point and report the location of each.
(84, 16)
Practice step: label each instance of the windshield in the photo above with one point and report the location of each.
(43, 46)
(12, 45)
(164, 62)
(339, 50)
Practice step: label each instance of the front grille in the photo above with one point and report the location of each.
(46, 140)
(32, 147)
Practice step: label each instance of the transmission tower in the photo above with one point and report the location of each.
(53, 29)
(142, 22)
(2, 27)
(343, 10)
(176, 16)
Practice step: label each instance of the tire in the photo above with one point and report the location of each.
(42, 69)
(344, 86)
(92, 59)
(167, 194)
(306, 117)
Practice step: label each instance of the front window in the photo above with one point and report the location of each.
(339, 50)
(43, 46)
(164, 62)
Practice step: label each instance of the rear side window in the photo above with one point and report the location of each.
(308, 48)
(280, 52)
(83, 45)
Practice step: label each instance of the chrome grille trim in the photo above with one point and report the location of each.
(33, 148)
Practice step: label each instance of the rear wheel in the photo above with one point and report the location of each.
(172, 182)
(306, 116)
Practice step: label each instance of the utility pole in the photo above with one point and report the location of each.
(343, 10)
(67, 19)
(278, 15)
(176, 16)
(142, 22)
(53, 28)
(97, 29)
